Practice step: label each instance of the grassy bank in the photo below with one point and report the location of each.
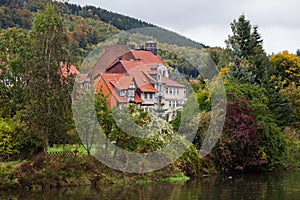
(41, 173)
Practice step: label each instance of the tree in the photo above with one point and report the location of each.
(286, 68)
(49, 98)
(245, 49)
(292, 92)
(104, 116)
(15, 51)
(241, 30)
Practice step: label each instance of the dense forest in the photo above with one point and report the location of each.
(262, 104)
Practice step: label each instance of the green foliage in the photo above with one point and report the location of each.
(15, 17)
(240, 72)
(169, 37)
(7, 176)
(292, 92)
(8, 146)
(178, 62)
(280, 106)
(15, 51)
(176, 121)
(49, 99)
(85, 33)
(272, 144)
(190, 162)
(203, 97)
(249, 62)
(133, 120)
(15, 139)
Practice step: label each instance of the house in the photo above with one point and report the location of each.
(67, 70)
(139, 76)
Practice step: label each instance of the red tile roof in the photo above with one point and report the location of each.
(125, 82)
(137, 98)
(146, 57)
(110, 54)
(171, 83)
(142, 80)
(110, 82)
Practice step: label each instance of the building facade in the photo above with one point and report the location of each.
(140, 77)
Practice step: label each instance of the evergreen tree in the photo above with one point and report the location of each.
(258, 59)
(241, 30)
(280, 106)
(48, 90)
(246, 46)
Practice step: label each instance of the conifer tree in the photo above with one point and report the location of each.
(47, 88)
(246, 46)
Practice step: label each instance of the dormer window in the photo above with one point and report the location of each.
(132, 85)
(158, 77)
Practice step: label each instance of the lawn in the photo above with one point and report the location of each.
(61, 148)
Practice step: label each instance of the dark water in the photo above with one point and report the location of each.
(260, 186)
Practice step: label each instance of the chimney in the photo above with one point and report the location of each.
(151, 46)
(131, 46)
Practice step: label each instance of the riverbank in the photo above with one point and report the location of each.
(283, 186)
(42, 174)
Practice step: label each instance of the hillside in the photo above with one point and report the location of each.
(19, 13)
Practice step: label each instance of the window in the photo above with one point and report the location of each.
(151, 95)
(132, 85)
(167, 90)
(130, 93)
(170, 104)
(159, 77)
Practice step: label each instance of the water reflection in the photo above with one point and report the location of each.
(257, 186)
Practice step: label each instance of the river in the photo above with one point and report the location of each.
(273, 186)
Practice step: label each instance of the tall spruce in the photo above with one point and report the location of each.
(48, 90)
(246, 46)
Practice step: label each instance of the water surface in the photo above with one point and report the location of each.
(273, 186)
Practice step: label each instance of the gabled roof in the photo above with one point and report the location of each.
(111, 53)
(131, 65)
(146, 57)
(137, 98)
(141, 80)
(125, 82)
(110, 81)
(171, 83)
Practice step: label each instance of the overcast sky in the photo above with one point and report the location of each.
(208, 21)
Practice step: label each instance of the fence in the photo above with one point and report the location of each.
(58, 156)
(62, 155)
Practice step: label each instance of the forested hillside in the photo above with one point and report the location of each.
(86, 26)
